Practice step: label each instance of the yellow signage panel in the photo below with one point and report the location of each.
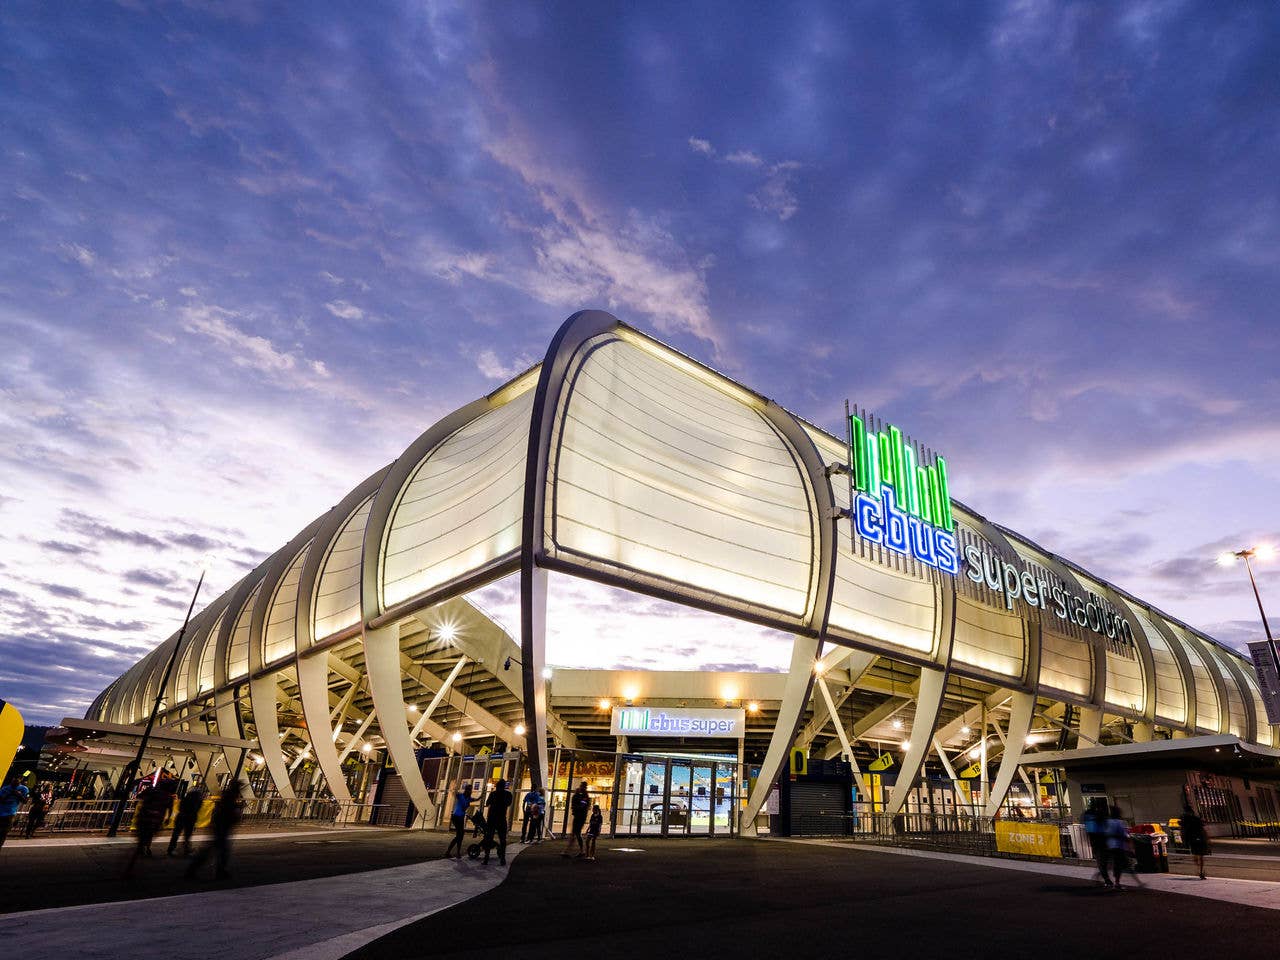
(882, 762)
(11, 728)
(1034, 839)
(799, 763)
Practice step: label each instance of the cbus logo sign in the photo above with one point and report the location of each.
(902, 501)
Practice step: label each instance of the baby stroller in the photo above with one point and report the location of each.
(475, 850)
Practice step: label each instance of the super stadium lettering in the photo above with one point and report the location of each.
(902, 503)
(1092, 613)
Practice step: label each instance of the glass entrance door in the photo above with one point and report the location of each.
(679, 798)
(701, 799)
(657, 796)
(724, 803)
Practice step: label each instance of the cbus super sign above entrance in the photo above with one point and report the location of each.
(681, 722)
(900, 497)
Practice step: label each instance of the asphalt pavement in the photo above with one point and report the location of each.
(732, 898)
(35, 876)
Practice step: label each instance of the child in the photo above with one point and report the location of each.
(594, 826)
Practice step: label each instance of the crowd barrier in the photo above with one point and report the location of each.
(94, 816)
(953, 832)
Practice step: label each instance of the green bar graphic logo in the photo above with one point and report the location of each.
(885, 459)
(899, 500)
(633, 721)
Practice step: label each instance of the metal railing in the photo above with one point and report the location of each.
(94, 816)
(953, 832)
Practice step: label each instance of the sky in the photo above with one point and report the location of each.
(248, 252)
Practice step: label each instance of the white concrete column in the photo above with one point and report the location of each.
(1023, 710)
(382, 665)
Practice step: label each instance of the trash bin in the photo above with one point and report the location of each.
(1160, 851)
(1144, 858)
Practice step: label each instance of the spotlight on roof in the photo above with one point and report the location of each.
(519, 729)
(447, 632)
(457, 737)
(753, 707)
(546, 673)
(604, 704)
(897, 724)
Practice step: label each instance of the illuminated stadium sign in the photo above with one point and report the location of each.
(661, 722)
(900, 498)
(1000, 576)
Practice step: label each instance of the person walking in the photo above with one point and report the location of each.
(1117, 847)
(1095, 826)
(226, 814)
(1195, 837)
(184, 823)
(458, 818)
(529, 813)
(579, 805)
(495, 824)
(40, 800)
(12, 795)
(153, 806)
(594, 826)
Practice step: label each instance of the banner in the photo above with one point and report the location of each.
(11, 730)
(1034, 839)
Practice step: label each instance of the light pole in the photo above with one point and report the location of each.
(1260, 553)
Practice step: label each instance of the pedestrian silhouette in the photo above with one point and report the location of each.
(184, 822)
(226, 814)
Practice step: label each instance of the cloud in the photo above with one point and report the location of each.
(248, 350)
(149, 578)
(487, 363)
(775, 194)
(344, 311)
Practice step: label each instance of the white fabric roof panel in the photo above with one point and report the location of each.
(1208, 707)
(1066, 663)
(1171, 698)
(208, 648)
(337, 601)
(278, 634)
(238, 649)
(990, 640)
(662, 474)
(461, 509)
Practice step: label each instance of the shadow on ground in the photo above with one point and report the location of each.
(737, 898)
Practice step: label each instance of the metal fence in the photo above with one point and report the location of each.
(952, 832)
(94, 816)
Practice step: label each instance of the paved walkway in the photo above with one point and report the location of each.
(320, 919)
(1252, 893)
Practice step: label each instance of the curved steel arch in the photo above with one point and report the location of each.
(573, 333)
(379, 631)
(806, 647)
(313, 665)
(262, 686)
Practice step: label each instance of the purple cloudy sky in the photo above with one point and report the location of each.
(247, 253)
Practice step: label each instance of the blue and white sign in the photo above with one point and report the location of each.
(676, 722)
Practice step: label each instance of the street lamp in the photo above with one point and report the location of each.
(1259, 553)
